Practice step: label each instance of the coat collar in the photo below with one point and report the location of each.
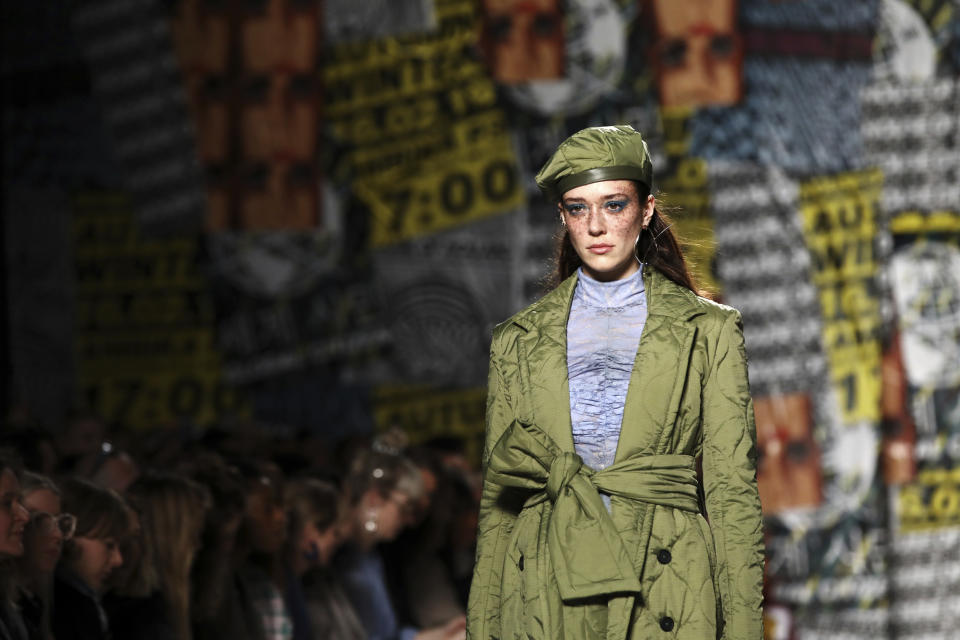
(664, 297)
(544, 354)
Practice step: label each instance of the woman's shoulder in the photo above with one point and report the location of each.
(547, 313)
(549, 310)
(707, 313)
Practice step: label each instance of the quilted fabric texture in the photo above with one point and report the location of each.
(700, 574)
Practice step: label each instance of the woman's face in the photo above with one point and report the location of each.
(95, 561)
(604, 220)
(265, 519)
(13, 516)
(43, 540)
(389, 514)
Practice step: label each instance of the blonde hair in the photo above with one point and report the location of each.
(172, 510)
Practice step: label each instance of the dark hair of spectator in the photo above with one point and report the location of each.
(101, 513)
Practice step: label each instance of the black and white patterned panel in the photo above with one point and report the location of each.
(804, 65)
(912, 132)
(765, 267)
(136, 77)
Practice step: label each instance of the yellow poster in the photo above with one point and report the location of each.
(930, 502)
(145, 343)
(425, 145)
(840, 228)
(425, 412)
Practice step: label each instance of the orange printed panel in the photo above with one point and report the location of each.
(523, 39)
(698, 53)
(279, 117)
(789, 470)
(211, 113)
(899, 432)
(201, 38)
(278, 195)
(279, 35)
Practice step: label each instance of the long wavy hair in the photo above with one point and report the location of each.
(657, 246)
(172, 510)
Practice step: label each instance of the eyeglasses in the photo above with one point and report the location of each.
(47, 523)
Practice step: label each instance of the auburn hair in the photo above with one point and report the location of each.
(657, 246)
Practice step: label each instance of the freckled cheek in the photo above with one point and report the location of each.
(625, 227)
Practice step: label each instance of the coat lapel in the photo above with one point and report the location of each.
(543, 350)
(656, 383)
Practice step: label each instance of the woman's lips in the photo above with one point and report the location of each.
(600, 249)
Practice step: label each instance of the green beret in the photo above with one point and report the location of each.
(594, 155)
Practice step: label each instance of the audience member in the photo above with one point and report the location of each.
(221, 606)
(34, 445)
(210, 549)
(43, 542)
(417, 569)
(153, 601)
(313, 536)
(261, 538)
(380, 491)
(103, 522)
(13, 521)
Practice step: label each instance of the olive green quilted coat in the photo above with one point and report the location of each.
(552, 562)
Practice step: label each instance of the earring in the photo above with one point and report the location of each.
(370, 523)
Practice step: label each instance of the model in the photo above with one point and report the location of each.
(620, 497)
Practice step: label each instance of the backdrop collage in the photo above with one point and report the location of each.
(313, 213)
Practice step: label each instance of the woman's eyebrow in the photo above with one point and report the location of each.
(604, 197)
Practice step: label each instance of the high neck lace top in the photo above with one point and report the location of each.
(603, 332)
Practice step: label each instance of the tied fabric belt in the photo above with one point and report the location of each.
(588, 556)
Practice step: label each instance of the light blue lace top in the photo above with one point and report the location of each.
(606, 319)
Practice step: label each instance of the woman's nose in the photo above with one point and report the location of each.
(596, 225)
(116, 558)
(21, 513)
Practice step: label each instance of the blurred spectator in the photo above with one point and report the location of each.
(34, 445)
(260, 540)
(114, 469)
(313, 508)
(221, 607)
(80, 444)
(153, 602)
(43, 542)
(13, 520)
(381, 489)
(103, 522)
(419, 574)
(313, 536)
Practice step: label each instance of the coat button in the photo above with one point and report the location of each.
(664, 556)
(520, 563)
(666, 623)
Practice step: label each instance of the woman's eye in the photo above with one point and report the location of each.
(574, 209)
(616, 205)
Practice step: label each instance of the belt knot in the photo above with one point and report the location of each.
(564, 468)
